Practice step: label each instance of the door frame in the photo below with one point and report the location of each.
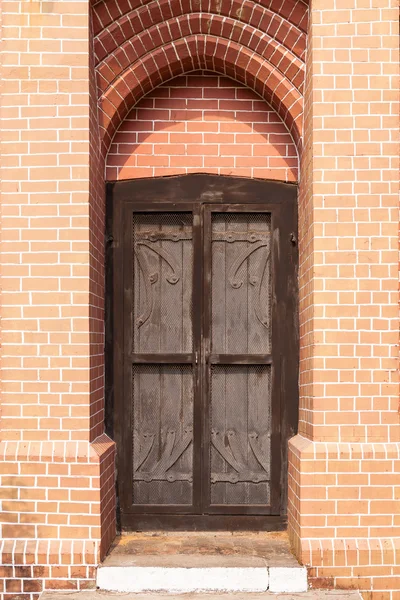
(221, 193)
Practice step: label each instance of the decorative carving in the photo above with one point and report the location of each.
(256, 281)
(241, 236)
(258, 240)
(149, 280)
(173, 277)
(171, 453)
(161, 236)
(225, 451)
(233, 454)
(257, 451)
(248, 477)
(146, 241)
(143, 447)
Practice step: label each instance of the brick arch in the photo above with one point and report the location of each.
(201, 52)
(289, 35)
(282, 59)
(142, 44)
(106, 12)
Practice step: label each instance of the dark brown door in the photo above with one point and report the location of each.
(203, 346)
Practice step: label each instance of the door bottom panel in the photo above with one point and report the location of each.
(203, 523)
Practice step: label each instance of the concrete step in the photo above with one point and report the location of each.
(199, 562)
(180, 574)
(101, 595)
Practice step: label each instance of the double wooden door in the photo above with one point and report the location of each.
(202, 347)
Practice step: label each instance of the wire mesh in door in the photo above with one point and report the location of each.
(240, 448)
(162, 434)
(162, 282)
(241, 283)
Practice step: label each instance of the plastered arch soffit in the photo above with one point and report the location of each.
(140, 44)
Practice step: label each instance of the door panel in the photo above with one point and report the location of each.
(162, 282)
(203, 332)
(159, 391)
(241, 283)
(240, 434)
(241, 365)
(162, 428)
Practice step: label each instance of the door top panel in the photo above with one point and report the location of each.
(216, 189)
(162, 248)
(241, 283)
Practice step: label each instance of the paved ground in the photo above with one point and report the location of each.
(94, 595)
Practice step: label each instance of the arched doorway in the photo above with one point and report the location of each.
(130, 68)
(203, 332)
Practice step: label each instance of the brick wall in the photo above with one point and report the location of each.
(344, 466)
(202, 123)
(54, 508)
(56, 466)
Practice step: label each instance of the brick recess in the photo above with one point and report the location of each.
(140, 45)
(56, 465)
(344, 472)
(202, 123)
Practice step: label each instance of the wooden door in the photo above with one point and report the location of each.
(202, 345)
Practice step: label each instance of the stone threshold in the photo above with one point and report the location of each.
(179, 563)
(102, 595)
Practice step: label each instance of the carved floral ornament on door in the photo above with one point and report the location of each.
(140, 44)
(148, 239)
(234, 452)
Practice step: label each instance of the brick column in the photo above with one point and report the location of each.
(344, 477)
(57, 469)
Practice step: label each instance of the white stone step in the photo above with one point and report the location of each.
(182, 574)
(98, 595)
